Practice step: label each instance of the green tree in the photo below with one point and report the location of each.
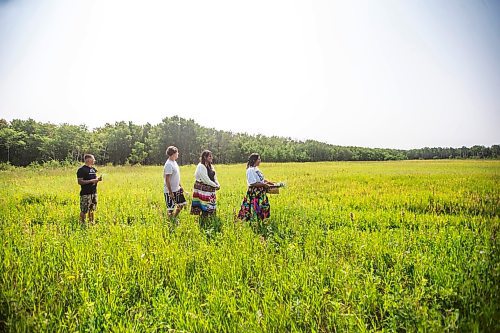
(10, 138)
(138, 154)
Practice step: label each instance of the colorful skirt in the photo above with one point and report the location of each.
(204, 199)
(255, 204)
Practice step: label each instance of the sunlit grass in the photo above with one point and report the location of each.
(394, 246)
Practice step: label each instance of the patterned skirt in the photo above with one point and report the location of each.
(255, 204)
(204, 199)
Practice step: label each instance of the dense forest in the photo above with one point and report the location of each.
(25, 142)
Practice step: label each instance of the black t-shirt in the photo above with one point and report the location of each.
(87, 173)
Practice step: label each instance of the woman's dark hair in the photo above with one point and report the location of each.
(208, 165)
(252, 159)
(204, 156)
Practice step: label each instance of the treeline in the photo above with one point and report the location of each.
(23, 142)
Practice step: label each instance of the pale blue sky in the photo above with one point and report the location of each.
(379, 73)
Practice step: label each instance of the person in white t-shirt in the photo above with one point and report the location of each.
(206, 183)
(255, 204)
(172, 189)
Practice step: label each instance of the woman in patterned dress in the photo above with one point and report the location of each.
(255, 204)
(206, 183)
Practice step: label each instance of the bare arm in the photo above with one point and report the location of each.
(259, 184)
(169, 188)
(81, 181)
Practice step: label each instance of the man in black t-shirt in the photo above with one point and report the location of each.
(87, 178)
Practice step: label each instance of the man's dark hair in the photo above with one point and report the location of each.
(171, 150)
(87, 156)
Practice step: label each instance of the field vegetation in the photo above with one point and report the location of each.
(350, 246)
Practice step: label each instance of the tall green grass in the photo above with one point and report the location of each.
(382, 246)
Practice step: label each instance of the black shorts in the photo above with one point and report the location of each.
(178, 199)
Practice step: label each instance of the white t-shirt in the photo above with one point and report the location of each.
(254, 176)
(172, 168)
(201, 175)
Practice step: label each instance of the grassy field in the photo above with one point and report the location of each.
(378, 246)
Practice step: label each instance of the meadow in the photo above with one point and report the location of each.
(350, 247)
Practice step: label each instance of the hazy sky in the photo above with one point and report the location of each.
(380, 73)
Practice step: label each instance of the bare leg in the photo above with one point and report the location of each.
(177, 211)
(82, 217)
(91, 216)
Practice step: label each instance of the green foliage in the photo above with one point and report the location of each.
(6, 166)
(386, 246)
(138, 154)
(23, 142)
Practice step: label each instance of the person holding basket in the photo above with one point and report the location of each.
(255, 203)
